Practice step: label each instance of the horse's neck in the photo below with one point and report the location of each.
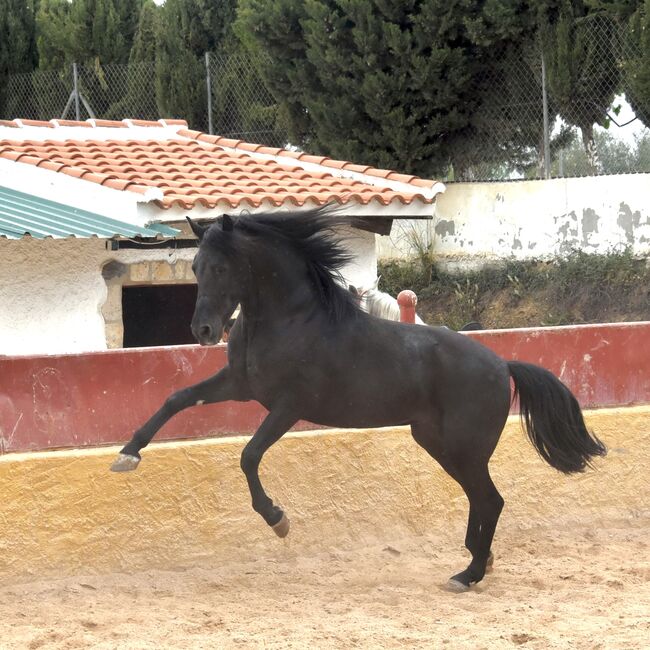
(382, 305)
(275, 289)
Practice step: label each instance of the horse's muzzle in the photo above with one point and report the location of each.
(207, 335)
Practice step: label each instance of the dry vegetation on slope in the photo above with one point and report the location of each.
(582, 288)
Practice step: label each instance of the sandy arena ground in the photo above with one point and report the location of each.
(571, 587)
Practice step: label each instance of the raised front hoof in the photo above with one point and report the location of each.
(125, 463)
(281, 529)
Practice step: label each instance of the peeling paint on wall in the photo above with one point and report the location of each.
(445, 228)
(628, 221)
(589, 225)
(541, 219)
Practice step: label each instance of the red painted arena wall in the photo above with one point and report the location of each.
(101, 398)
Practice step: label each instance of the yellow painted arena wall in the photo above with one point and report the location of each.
(64, 513)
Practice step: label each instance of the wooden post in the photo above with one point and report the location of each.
(407, 301)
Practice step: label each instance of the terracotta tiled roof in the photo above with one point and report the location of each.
(193, 168)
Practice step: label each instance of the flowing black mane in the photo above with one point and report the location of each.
(312, 235)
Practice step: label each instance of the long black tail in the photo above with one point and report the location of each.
(553, 419)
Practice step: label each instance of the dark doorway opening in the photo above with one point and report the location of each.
(158, 314)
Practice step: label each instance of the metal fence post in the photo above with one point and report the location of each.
(208, 82)
(75, 81)
(547, 136)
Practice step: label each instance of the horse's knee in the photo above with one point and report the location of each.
(177, 401)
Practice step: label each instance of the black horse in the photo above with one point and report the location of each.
(303, 349)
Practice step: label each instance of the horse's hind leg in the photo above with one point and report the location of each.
(485, 505)
(276, 424)
(468, 465)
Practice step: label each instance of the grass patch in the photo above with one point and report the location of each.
(581, 288)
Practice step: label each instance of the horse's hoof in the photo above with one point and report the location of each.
(456, 586)
(489, 565)
(125, 463)
(281, 529)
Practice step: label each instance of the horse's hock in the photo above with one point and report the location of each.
(187, 504)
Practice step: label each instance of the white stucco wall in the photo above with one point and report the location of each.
(475, 223)
(52, 291)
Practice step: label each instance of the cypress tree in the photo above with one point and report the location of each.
(402, 84)
(82, 31)
(637, 63)
(53, 40)
(140, 97)
(188, 29)
(17, 47)
(583, 78)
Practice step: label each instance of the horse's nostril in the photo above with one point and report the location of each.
(205, 331)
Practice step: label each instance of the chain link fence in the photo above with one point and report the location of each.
(240, 105)
(570, 112)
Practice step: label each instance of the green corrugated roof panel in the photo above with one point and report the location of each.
(22, 214)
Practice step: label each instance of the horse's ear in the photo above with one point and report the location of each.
(227, 223)
(376, 282)
(197, 229)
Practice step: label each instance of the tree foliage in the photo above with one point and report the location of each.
(17, 42)
(86, 31)
(189, 29)
(579, 48)
(395, 84)
(140, 97)
(637, 64)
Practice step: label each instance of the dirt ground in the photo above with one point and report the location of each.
(570, 587)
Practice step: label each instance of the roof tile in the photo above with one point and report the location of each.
(193, 168)
(316, 160)
(144, 123)
(359, 169)
(37, 123)
(60, 123)
(51, 165)
(115, 124)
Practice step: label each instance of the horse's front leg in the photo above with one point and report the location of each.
(276, 424)
(218, 388)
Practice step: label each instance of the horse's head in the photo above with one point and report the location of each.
(362, 292)
(219, 281)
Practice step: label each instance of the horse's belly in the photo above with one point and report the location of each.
(360, 409)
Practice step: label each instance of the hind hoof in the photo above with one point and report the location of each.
(281, 529)
(456, 586)
(125, 463)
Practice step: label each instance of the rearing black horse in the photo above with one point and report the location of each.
(304, 350)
